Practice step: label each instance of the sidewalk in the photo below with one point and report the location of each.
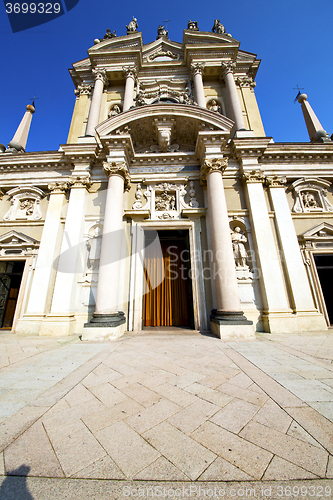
(165, 409)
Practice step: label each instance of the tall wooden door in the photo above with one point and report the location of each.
(10, 281)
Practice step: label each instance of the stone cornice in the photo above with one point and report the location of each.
(121, 169)
(209, 166)
(249, 147)
(290, 153)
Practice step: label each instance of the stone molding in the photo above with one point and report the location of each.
(84, 89)
(162, 53)
(58, 187)
(209, 166)
(17, 244)
(275, 181)
(197, 68)
(80, 182)
(25, 203)
(100, 74)
(121, 169)
(130, 72)
(253, 176)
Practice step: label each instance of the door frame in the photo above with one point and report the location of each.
(135, 317)
(22, 297)
(319, 296)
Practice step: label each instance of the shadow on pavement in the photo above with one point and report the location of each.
(14, 487)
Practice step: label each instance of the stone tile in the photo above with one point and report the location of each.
(273, 416)
(213, 380)
(152, 415)
(235, 415)
(108, 394)
(128, 380)
(183, 381)
(107, 416)
(248, 457)
(94, 379)
(189, 418)
(75, 436)
(325, 408)
(280, 469)
(241, 380)
(329, 472)
(78, 395)
(295, 451)
(104, 468)
(161, 470)
(152, 382)
(141, 394)
(296, 431)
(13, 427)
(2, 465)
(221, 470)
(128, 450)
(185, 453)
(53, 420)
(178, 396)
(209, 394)
(241, 393)
(315, 424)
(33, 449)
(309, 390)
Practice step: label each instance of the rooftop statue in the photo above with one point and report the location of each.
(218, 27)
(192, 25)
(132, 26)
(109, 34)
(161, 31)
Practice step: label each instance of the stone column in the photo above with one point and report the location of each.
(199, 92)
(95, 107)
(236, 109)
(61, 320)
(130, 75)
(277, 315)
(228, 320)
(42, 282)
(108, 321)
(308, 317)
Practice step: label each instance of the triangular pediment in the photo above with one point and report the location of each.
(118, 43)
(208, 37)
(14, 238)
(321, 231)
(162, 50)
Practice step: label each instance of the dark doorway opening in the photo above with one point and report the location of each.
(324, 264)
(10, 280)
(168, 298)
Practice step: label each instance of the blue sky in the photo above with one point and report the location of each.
(292, 38)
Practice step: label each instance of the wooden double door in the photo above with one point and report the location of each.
(168, 298)
(10, 280)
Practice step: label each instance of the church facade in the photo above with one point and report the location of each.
(168, 206)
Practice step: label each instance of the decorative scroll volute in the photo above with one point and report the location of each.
(121, 169)
(215, 165)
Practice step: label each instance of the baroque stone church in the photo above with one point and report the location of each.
(168, 206)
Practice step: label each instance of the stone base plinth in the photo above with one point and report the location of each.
(103, 333)
(243, 134)
(29, 325)
(229, 331)
(58, 325)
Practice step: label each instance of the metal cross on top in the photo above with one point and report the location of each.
(166, 23)
(33, 100)
(299, 92)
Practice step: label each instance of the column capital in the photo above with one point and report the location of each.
(253, 176)
(100, 74)
(197, 68)
(275, 181)
(121, 169)
(228, 67)
(209, 166)
(80, 182)
(58, 187)
(83, 89)
(245, 81)
(130, 72)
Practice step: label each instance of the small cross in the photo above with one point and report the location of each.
(298, 93)
(166, 22)
(33, 100)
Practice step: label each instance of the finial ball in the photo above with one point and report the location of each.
(302, 97)
(30, 108)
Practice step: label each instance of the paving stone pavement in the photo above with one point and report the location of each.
(171, 407)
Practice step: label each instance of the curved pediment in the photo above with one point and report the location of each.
(147, 124)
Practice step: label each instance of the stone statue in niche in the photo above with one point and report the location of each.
(309, 200)
(138, 195)
(165, 201)
(94, 248)
(218, 27)
(240, 254)
(213, 105)
(114, 110)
